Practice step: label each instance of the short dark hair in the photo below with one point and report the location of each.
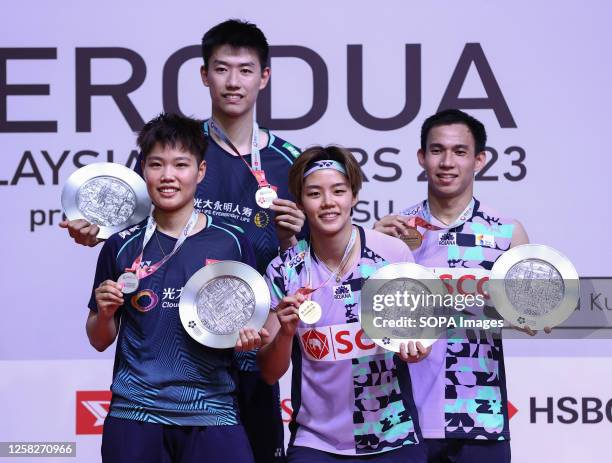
(455, 116)
(319, 153)
(171, 130)
(236, 34)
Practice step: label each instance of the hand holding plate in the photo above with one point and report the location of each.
(413, 352)
(81, 231)
(250, 339)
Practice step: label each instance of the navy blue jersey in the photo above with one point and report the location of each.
(161, 375)
(227, 192)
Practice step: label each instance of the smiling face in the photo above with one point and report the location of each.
(327, 200)
(172, 176)
(450, 161)
(234, 77)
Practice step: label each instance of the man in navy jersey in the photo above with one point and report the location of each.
(460, 389)
(173, 399)
(235, 69)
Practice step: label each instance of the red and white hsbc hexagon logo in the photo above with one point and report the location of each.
(337, 342)
(91, 409)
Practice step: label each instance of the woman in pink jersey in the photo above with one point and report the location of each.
(351, 399)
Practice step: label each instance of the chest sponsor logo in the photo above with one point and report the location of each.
(464, 280)
(485, 240)
(447, 239)
(91, 410)
(343, 292)
(171, 297)
(144, 300)
(337, 342)
(229, 210)
(261, 219)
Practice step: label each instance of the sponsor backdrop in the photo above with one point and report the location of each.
(77, 79)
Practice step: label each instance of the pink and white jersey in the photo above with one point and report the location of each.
(349, 396)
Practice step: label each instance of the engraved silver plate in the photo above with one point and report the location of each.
(221, 298)
(404, 277)
(107, 194)
(534, 285)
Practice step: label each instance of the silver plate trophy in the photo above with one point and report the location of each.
(106, 194)
(221, 298)
(534, 285)
(405, 278)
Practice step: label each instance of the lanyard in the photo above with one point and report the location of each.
(308, 265)
(255, 167)
(463, 217)
(416, 221)
(151, 226)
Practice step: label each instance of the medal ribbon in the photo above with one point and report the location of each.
(308, 265)
(416, 221)
(151, 226)
(255, 167)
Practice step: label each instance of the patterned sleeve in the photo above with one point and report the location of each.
(276, 280)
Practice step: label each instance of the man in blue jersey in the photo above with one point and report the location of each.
(460, 389)
(244, 163)
(173, 399)
(235, 69)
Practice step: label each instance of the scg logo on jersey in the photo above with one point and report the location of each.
(464, 280)
(91, 409)
(337, 342)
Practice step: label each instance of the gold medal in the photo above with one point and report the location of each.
(310, 312)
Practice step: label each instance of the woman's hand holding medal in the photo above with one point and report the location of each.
(108, 298)
(287, 312)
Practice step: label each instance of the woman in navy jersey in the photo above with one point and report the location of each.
(173, 399)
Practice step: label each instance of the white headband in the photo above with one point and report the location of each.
(325, 164)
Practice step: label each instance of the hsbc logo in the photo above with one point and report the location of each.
(91, 410)
(570, 410)
(337, 342)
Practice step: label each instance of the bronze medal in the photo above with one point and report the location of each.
(413, 238)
